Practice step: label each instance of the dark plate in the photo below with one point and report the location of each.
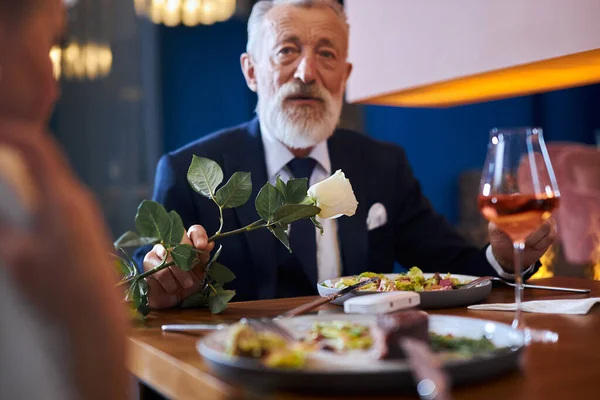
(327, 374)
(429, 300)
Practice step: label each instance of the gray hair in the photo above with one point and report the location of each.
(262, 7)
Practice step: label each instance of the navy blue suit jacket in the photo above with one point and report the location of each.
(379, 172)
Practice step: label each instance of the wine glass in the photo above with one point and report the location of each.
(518, 192)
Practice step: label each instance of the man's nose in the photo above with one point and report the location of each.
(307, 69)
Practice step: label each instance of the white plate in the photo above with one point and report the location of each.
(429, 300)
(328, 373)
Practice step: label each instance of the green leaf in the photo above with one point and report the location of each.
(217, 302)
(215, 257)
(124, 268)
(281, 235)
(138, 292)
(293, 212)
(143, 287)
(236, 191)
(132, 239)
(269, 199)
(144, 309)
(282, 187)
(196, 300)
(152, 220)
(204, 176)
(130, 261)
(184, 256)
(317, 224)
(175, 232)
(296, 190)
(220, 273)
(125, 265)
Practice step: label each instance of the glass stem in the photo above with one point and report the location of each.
(518, 247)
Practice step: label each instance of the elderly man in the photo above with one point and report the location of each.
(296, 61)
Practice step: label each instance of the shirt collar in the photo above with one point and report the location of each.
(277, 156)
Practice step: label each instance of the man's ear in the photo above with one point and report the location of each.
(248, 70)
(348, 71)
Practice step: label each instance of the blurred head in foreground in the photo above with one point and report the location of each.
(28, 29)
(63, 331)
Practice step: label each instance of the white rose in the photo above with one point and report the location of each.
(334, 196)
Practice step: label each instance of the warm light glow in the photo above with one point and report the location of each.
(55, 57)
(190, 12)
(155, 10)
(209, 13)
(558, 73)
(139, 5)
(81, 61)
(225, 11)
(547, 268)
(596, 266)
(171, 13)
(90, 56)
(187, 12)
(105, 60)
(595, 256)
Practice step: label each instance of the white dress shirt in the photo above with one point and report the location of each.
(277, 156)
(329, 262)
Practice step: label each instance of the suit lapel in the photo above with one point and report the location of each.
(352, 231)
(250, 156)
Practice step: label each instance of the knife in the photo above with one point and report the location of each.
(193, 327)
(324, 300)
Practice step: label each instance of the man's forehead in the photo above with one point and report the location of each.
(289, 20)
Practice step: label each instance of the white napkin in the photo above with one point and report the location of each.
(579, 306)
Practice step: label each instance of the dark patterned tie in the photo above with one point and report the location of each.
(302, 233)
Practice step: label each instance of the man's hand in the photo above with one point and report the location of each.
(536, 245)
(169, 287)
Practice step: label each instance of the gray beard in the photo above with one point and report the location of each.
(299, 127)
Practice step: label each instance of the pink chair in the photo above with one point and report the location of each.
(577, 171)
(579, 217)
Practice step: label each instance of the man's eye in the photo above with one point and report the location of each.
(327, 54)
(287, 51)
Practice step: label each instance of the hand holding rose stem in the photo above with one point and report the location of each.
(278, 206)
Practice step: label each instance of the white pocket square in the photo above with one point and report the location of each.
(377, 216)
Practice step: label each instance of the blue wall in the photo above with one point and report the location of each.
(570, 115)
(441, 143)
(202, 83)
(204, 91)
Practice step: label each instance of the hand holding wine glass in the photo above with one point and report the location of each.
(535, 246)
(518, 192)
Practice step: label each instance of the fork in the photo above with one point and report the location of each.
(476, 282)
(271, 326)
(525, 285)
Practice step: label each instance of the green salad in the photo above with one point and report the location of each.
(413, 281)
(343, 336)
(461, 346)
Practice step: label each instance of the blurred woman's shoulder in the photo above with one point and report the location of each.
(32, 347)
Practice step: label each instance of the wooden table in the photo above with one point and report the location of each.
(569, 369)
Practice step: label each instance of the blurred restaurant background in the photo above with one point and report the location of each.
(143, 77)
